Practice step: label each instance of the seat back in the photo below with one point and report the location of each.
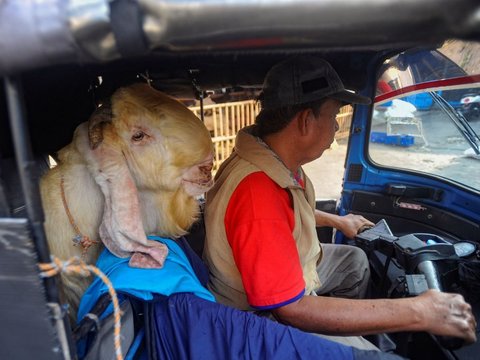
(27, 330)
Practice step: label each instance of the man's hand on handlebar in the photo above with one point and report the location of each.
(448, 315)
(350, 225)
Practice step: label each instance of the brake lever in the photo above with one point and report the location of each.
(364, 228)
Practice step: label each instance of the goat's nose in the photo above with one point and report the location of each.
(206, 168)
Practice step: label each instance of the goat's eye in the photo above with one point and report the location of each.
(138, 136)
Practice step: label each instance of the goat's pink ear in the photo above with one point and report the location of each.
(121, 229)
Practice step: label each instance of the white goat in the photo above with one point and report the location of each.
(134, 168)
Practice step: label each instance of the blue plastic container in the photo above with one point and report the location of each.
(397, 140)
(378, 137)
(406, 140)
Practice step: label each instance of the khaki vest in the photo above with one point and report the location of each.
(251, 156)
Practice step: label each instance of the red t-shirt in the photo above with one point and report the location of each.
(259, 223)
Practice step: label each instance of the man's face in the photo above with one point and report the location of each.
(324, 126)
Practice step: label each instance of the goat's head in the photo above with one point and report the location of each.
(142, 144)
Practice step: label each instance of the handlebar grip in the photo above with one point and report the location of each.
(428, 269)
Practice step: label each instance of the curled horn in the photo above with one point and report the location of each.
(102, 114)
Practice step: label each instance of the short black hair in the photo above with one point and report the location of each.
(271, 121)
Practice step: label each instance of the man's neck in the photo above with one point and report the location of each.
(283, 148)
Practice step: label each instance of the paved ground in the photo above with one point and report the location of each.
(326, 172)
(444, 155)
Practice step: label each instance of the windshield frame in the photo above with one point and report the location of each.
(433, 86)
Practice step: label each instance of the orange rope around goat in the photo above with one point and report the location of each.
(75, 265)
(83, 240)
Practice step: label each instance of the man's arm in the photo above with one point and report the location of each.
(349, 224)
(435, 312)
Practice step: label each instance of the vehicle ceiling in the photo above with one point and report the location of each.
(63, 48)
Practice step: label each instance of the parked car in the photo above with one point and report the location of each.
(60, 58)
(470, 105)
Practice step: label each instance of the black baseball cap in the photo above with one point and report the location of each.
(303, 79)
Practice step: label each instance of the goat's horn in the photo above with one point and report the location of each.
(103, 114)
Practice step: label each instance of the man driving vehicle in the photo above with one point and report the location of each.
(262, 249)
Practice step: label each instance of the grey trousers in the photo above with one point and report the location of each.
(344, 272)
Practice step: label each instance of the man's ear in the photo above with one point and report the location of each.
(304, 119)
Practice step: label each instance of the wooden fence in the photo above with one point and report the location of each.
(344, 119)
(225, 120)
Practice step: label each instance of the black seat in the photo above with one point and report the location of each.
(196, 233)
(12, 202)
